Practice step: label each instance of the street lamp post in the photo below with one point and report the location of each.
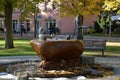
(35, 21)
(110, 23)
(110, 27)
(79, 23)
(35, 25)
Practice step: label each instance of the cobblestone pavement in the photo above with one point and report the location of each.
(10, 59)
(115, 62)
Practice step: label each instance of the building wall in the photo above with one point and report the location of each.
(89, 20)
(65, 24)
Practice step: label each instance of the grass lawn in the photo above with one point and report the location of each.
(22, 47)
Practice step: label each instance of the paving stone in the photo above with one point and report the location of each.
(114, 62)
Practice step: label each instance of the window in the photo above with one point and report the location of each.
(1, 26)
(15, 26)
(49, 23)
(0, 23)
(28, 25)
(54, 7)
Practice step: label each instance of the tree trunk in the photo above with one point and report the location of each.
(8, 24)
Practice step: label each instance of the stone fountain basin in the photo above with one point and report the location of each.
(63, 49)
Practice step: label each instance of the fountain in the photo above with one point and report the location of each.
(62, 58)
(58, 54)
(58, 59)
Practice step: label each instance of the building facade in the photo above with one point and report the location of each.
(48, 16)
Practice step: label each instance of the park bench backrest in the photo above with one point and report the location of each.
(95, 43)
(91, 44)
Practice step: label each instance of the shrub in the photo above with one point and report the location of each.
(117, 31)
(91, 30)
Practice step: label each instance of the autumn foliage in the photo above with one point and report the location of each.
(83, 7)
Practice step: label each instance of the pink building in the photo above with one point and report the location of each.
(49, 15)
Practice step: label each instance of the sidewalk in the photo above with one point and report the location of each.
(12, 59)
(8, 59)
(114, 39)
(31, 36)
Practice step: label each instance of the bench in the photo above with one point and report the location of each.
(91, 44)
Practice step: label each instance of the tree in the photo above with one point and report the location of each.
(111, 5)
(30, 10)
(7, 6)
(8, 9)
(110, 8)
(75, 7)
